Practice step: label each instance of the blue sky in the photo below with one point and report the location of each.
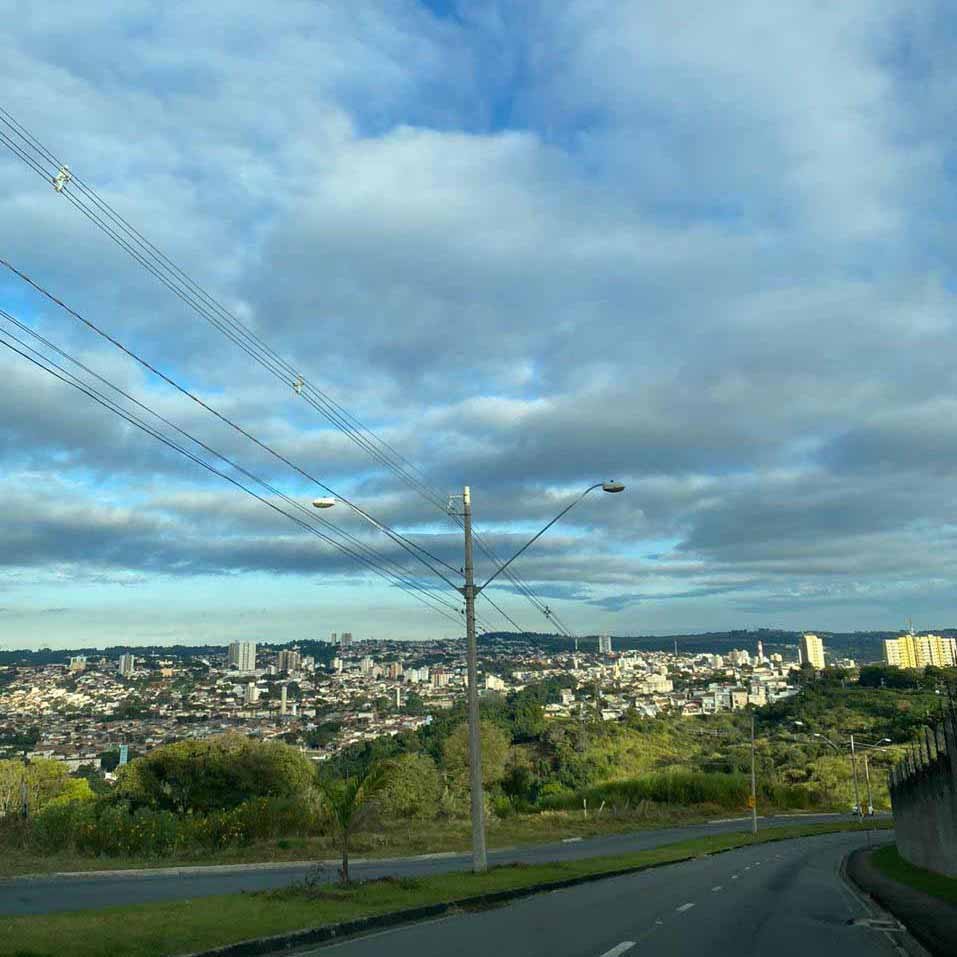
(703, 249)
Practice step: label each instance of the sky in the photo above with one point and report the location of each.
(702, 249)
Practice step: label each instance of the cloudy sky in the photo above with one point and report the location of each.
(705, 249)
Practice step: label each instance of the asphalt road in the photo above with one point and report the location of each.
(41, 895)
(778, 900)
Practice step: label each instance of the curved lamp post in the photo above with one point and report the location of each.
(470, 591)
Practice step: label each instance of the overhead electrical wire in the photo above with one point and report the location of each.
(356, 549)
(164, 269)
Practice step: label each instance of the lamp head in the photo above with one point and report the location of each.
(612, 487)
(323, 502)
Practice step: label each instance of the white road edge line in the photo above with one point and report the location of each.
(619, 949)
(571, 840)
(685, 907)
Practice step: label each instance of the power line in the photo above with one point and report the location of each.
(175, 279)
(410, 546)
(360, 553)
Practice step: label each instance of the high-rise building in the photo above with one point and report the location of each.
(333, 638)
(439, 678)
(242, 655)
(289, 661)
(127, 665)
(78, 663)
(760, 651)
(282, 701)
(366, 665)
(919, 651)
(811, 651)
(604, 644)
(394, 670)
(251, 693)
(346, 639)
(337, 665)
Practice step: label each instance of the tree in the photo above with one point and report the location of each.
(349, 802)
(214, 774)
(414, 788)
(495, 745)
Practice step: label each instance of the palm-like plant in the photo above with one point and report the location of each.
(349, 801)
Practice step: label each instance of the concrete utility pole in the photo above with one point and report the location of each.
(754, 788)
(857, 793)
(479, 859)
(867, 780)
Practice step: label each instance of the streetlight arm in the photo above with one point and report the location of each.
(538, 535)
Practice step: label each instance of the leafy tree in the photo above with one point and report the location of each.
(494, 743)
(46, 781)
(349, 802)
(214, 774)
(414, 787)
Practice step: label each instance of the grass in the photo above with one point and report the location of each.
(891, 864)
(391, 840)
(150, 930)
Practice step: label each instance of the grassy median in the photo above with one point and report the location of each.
(150, 930)
(891, 864)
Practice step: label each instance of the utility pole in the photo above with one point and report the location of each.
(857, 795)
(867, 779)
(24, 790)
(754, 788)
(479, 860)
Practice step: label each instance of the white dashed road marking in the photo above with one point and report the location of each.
(684, 907)
(716, 887)
(619, 949)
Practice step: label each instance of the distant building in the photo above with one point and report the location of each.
(604, 644)
(282, 701)
(337, 665)
(919, 651)
(78, 663)
(494, 683)
(251, 693)
(127, 665)
(333, 638)
(760, 651)
(346, 639)
(811, 651)
(439, 678)
(366, 665)
(242, 655)
(394, 670)
(290, 661)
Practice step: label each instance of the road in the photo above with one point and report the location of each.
(777, 900)
(40, 895)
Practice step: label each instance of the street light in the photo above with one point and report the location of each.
(470, 591)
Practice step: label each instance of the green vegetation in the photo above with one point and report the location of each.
(349, 801)
(232, 798)
(888, 860)
(150, 930)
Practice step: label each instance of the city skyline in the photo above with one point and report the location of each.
(720, 279)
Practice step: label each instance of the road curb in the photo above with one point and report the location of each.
(213, 869)
(931, 924)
